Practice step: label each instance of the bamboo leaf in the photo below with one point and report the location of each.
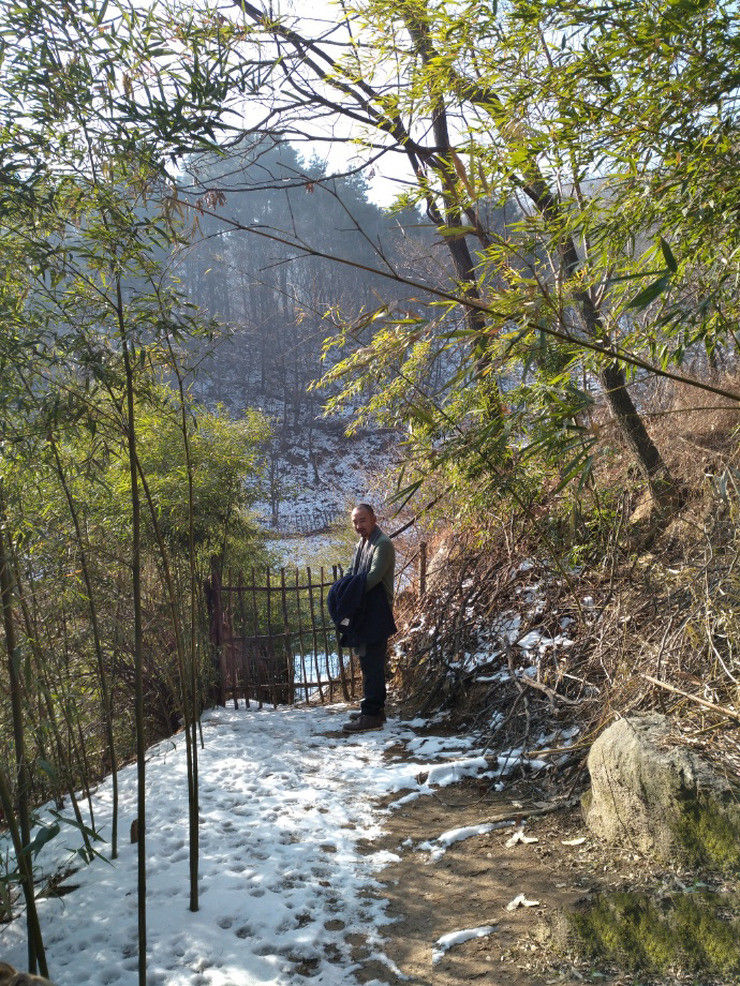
(650, 293)
(44, 835)
(670, 260)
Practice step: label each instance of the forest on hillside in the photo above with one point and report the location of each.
(202, 304)
(276, 303)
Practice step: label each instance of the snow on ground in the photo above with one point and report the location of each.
(446, 942)
(315, 481)
(439, 846)
(285, 804)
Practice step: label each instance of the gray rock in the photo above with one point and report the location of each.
(662, 799)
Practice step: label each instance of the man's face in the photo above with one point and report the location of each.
(363, 522)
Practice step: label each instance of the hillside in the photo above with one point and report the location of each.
(535, 350)
(324, 856)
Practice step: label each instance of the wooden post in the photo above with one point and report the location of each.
(252, 664)
(242, 625)
(315, 635)
(322, 611)
(289, 657)
(269, 648)
(340, 653)
(229, 628)
(300, 632)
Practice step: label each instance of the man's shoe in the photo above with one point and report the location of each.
(353, 716)
(363, 723)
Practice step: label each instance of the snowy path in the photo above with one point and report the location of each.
(284, 883)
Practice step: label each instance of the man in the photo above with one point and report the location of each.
(375, 559)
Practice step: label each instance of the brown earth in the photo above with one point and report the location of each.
(471, 884)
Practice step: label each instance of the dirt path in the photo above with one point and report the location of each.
(470, 885)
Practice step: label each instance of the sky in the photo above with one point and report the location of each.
(387, 175)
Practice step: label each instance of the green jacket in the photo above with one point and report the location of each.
(376, 557)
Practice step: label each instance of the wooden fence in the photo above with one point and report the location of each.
(273, 640)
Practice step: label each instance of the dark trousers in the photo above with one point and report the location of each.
(372, 664)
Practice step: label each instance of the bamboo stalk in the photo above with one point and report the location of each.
(16, 702)
(714, 706)
(187, 694)
(102, 676)
(64, 772)
(138, 642)
(35, 940)
(86, 766)
(193, 785)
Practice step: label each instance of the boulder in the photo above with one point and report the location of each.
(662, 798)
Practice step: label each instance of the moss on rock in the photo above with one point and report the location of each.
(709, 835)
(693, 932)
(661, 797)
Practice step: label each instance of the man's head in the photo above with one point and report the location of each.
(363, 520)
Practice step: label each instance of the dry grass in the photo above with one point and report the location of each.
(666, 603)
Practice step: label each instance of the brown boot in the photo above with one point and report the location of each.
(353, 716)
(363, 723)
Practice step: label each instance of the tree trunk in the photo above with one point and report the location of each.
(107, 706)
(138, 639)
(633, 429)
(16, 701)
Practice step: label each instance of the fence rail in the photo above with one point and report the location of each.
(273, 639)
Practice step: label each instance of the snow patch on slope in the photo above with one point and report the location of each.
(285, 802)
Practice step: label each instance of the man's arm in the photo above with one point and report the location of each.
(384, 557)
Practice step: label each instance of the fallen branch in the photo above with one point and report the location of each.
(519, 815)
(559, 750)
(714, 706)
(550, 692)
